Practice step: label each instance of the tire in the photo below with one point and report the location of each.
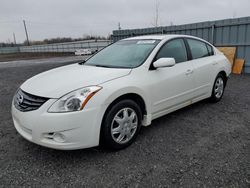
(218, 88)
(121, 125)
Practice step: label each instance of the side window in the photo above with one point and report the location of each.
(210, 50)
(198, 49)
(175, 48)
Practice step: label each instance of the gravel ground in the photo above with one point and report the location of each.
(203, 145)
(32, 55)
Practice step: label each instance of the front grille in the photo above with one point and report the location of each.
(27, 102)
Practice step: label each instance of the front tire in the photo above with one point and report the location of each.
(218, 88)
(121, 125)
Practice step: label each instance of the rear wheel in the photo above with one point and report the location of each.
(121, 125)
(218, 88)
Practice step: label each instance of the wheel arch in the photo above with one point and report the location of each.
(132, 96)
(222, 72)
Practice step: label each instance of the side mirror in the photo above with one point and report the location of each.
(164, 62)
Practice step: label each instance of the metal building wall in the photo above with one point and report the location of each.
(229, 32)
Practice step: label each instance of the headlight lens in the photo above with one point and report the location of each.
(75, 100)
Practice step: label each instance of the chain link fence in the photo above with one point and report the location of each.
(59, 47)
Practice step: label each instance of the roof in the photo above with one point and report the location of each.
(158, 37)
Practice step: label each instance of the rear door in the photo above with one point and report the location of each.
(203, 62)
(171, 87)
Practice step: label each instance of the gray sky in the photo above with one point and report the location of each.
(74, 18)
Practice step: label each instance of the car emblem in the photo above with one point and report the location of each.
(19, 99)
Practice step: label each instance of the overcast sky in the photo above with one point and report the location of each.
(75, 18)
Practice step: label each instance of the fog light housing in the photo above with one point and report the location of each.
(59, 137)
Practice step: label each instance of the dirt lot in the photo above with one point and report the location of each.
(204, 145)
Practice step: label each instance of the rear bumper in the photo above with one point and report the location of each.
(64, 131)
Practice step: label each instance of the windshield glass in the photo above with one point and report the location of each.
(123, 54)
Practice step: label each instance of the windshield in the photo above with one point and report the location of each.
(123, 54)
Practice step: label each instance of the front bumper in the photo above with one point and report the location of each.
(76, 130)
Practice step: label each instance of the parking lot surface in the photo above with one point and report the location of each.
(203, 145)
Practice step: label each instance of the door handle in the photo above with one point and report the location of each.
(215, 63)
(189, 71)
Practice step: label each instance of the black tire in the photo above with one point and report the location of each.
(107, 138)
(215, 96)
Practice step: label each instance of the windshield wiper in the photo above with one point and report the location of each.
(112, 66)
(106, 66)
(82, 62)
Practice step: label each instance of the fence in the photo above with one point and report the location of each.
(58, 47)
(229, 32)
(7, 50)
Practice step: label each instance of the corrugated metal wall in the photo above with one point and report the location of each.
(229, 32)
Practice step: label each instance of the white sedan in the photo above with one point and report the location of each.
(85, 51)
(106, 100)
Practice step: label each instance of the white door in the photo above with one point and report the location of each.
(203, 62)
(171, 87)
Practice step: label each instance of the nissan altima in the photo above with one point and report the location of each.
(107, 98)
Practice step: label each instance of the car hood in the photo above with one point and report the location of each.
(57, 82)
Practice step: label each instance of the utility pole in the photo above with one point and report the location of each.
(14, 37)
(156, 13)
(26, 32)
(155, 22)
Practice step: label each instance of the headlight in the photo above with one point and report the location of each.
(75, 100)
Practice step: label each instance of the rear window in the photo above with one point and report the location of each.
(210, 50)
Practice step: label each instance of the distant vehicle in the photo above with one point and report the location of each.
(107, 99)
(85, 51)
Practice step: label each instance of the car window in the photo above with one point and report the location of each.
(124, 54)
(210, 50)
(175, 49)
(198, 49)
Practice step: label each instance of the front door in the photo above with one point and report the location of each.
(171, 87)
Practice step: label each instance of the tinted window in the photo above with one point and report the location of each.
(198, 48)
(175, 49)
(210, 50)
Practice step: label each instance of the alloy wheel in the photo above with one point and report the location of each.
(219, 87)
(124, 125)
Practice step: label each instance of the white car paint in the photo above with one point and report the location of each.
(163, 90)
(58, 85)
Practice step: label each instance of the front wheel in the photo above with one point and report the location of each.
(218, 88)
(121, 125)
